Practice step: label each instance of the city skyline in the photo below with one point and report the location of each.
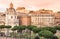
(31, 4)
(21, 16)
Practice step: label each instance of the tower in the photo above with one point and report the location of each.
(11, 16)
(11, 5)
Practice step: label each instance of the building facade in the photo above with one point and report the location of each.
(21, 16)
(11, 16)
(57, 19)
(2, 18)
(42, 18)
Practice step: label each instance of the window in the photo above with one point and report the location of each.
(11, 16)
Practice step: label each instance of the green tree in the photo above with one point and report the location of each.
(52, 29)
(54, 37)
(45, 33)
(14, 28)
(31, 28)
(36, 30)
(8, 26)
(57, 27)
(2, 27)
(20, 29)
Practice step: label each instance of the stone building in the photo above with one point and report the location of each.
(57, 18)
(21, 16)
(11, 16)
(42, 18)
(2, 18)
(22, 10)
(24, 19)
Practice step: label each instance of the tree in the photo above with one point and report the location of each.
(36, 30)
(45, 33)
(7, 29)
(31, 28)
(54, 37)
(57, 27)
(2, 27)
(52, 29)
(8, 26)
(14, 28)
(20, 29)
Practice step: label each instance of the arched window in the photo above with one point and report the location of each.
(15, 16)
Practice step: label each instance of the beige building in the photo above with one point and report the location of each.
(22, 10)
(57, 18)
(42, 18)
(2, 18)
(21, 16)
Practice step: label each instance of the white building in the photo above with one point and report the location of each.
(11, 16)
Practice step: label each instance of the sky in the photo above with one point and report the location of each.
(31, 4)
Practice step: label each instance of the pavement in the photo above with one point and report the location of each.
(8, 38)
